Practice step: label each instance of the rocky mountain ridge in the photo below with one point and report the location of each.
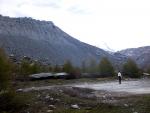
(141, 55)
(43, 41)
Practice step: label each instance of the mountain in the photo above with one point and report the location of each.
(141, 55)
(45, 42)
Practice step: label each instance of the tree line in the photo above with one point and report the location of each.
(10, 71)
(102, 69)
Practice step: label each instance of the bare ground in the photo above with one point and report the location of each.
(87, 95)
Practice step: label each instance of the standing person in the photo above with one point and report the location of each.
(119, 77)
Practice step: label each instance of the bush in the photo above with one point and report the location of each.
(74, 72)
(131, 69)
(9, 100)
(148, 70)
(105, 67)
(26, 68)
(12, 102)
(35, 68)
(5, 71)
(56, 69)
(67, 67)
(93, 67)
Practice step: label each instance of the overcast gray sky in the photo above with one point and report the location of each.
(115, 24)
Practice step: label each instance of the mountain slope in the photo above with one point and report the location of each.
(43, 41)
(141, 55)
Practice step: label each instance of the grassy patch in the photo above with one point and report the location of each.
(101, 108)
(13, 102)
(64, 99)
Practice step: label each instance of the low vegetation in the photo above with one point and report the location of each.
(60, 100)
(5, 71)
(130, 69)
(148, 70)
(12, 101)
(106, 68)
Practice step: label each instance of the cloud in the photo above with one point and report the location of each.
(78, 10)
(16, 8)
(21, 7)
(48, 3)
(116, 22)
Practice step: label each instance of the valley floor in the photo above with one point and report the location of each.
(87, 96)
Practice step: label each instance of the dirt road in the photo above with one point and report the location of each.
(140, 86)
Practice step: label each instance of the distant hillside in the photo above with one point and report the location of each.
(43, 41)
(141, 55)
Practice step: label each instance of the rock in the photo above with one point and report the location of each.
(32, 88)
(41, 76)
(133, 109)
(112, 98)
(51, 99)
(49, 111)
(19, 90)
(47, 97)
(75, 106)
(58, 100)
(27, 112)
(38, 96)
(60, 91)
(109, 94)
(36, 102)
(27, 104)
(126, 105)
(104, 97)
(88, 108)
(52, 107)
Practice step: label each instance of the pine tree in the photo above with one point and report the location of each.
(105, 68)
(25, 68)
(57, 69)
(92, 66)
(131, 69)
(67, 67)
(35, 68)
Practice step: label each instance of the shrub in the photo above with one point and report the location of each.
(131, 69)
(12, 102)
(26, 68)
(67, 67)
(71, 70)
(105, 68)
(9, 100)
(56, 69)
(93, 67)
(5, 71)
(148, 70)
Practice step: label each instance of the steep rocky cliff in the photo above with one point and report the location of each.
(43, 41)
